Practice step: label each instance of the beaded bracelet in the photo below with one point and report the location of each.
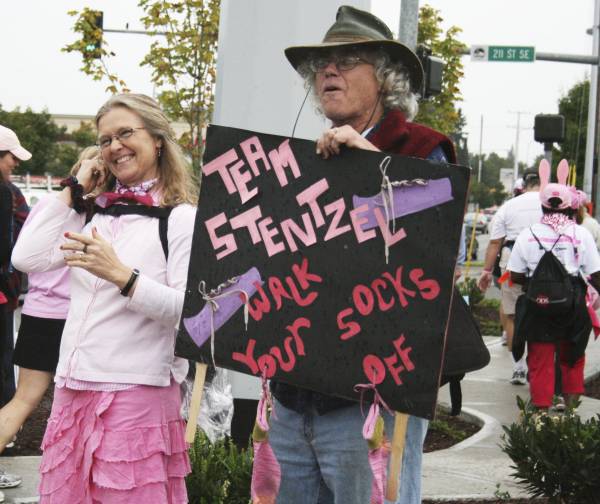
(76, 193)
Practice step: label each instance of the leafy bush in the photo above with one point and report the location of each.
(468, 287)
(221, 473)
(490, 303)
(556, 456)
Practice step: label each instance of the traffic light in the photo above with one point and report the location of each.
(434, 69)
(549, 128)
(92, 37)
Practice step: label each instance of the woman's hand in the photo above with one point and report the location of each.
(96, 255)
(91, 174)
(331, 140)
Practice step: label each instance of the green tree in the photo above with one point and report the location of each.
(84, 136)
(460, 140)
(487, 195)
(574, 106)
(440, 112)
(54, 151)
(183, 61)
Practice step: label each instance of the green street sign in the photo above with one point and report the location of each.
(516, 54)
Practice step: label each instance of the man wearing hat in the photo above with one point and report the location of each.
(512, 217)
(366, 84)
(14, 210)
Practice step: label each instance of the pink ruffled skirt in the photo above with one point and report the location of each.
(115, 448)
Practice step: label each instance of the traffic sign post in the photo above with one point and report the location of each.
(513, 54)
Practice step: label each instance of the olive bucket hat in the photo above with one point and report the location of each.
(354, 28)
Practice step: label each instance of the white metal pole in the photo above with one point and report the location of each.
(409, 23)
(592, 111)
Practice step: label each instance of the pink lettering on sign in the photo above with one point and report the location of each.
(389, 238)
(307, 235)
(248, 220)
(237, 174)
(220, 165)
(309, 197)
(227, 241)
(267, 236)
(254, 152)
(397, 363)
(260, 304)
(270, 361)
(337, 209)
(367, 298)
(241, 176)
(358, 221)
(280, 159)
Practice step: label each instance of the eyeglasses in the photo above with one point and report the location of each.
(343, 63)
(106, 141)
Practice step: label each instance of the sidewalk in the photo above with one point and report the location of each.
(471, 469)
(474, 468)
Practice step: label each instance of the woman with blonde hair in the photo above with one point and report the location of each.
(42, 321)
(115, 433)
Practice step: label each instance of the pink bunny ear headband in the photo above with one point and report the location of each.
(558, 196)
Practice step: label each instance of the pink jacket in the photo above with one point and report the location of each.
(108, 337)
(48, 292)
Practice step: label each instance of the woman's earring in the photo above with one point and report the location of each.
(159, 152)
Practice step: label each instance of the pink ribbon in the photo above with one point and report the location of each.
(378, 457)
(266, 472)
(377, 399)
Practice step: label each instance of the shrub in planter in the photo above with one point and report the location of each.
(468, 287)
(221, 473)
(487, 315)
(555, 456)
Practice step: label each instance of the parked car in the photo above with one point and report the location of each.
(481, 226)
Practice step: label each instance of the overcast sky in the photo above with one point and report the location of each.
(36, 74)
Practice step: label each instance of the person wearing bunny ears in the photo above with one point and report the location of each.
(586, 220)
(511, 218)
(574, 247)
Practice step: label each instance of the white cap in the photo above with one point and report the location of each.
(10, 142)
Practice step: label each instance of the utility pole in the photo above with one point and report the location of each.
(592, 130)
(480, 149)
(516, 151)
(409, 23)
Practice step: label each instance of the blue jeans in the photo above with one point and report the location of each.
(324, 458)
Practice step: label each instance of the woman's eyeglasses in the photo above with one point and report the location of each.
(106, 141)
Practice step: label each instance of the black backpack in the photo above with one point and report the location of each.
(550, 289)
(160, 213)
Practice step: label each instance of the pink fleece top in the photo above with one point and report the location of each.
(110, 338)
(48, 293)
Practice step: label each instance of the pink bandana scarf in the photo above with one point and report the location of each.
(557, 221)
(137, 193)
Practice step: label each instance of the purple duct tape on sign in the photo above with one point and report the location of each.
(407, 200)
(229, 301)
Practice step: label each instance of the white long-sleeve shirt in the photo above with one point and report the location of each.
(110, 338)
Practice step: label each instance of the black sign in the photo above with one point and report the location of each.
(303, 240)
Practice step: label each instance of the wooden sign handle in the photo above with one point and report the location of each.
(194, 412)
(398, 441)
